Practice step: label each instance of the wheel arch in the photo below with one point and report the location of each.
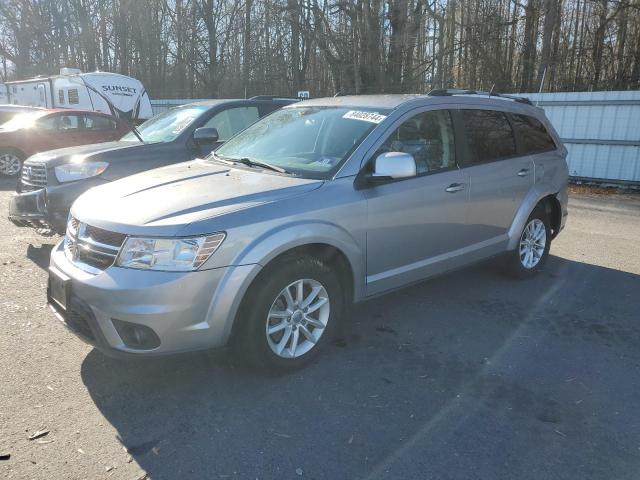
(326, 241)
(545, 196)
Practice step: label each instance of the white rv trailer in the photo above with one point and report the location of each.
(110, 93)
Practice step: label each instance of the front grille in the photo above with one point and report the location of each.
(91, 248)
(104, 236)
(33, 177)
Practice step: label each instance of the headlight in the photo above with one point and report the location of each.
(169, 254)
(77, 171)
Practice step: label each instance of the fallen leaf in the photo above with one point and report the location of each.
(299, 471)
(38, 434)
(81, 451)
(5, 456)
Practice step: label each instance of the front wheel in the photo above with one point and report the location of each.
(291, 311)
(532, 250)
(10, 163)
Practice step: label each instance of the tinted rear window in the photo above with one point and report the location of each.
(489, 134)
(534, 136)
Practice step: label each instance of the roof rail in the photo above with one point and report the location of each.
(272, 97)
(444, 92)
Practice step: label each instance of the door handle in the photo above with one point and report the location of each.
(454, 187)
(524, 172)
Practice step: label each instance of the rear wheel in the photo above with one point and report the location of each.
(532, 250)
(291, 311)
(10, 163)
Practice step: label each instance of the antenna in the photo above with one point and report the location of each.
(491, 91)
(544, 74)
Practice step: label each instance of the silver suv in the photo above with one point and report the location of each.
(264, 244)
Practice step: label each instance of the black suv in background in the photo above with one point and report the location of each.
(51, 181)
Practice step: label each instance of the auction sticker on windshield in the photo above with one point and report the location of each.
(373, 117)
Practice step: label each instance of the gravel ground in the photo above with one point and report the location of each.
(471, 375)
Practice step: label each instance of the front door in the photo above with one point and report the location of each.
(414, 224)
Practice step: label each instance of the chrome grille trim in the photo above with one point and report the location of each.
(87, 253)
(33, 176)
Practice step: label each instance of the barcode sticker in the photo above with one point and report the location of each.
(372, 117)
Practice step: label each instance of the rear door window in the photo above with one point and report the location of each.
(534, 137)
(231, 121)
(98, 122)
(489, 135)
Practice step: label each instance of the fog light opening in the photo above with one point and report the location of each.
(136, 336)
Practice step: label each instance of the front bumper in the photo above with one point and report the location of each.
(49, 206)
(188, 311)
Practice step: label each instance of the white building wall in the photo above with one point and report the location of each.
(600, 129)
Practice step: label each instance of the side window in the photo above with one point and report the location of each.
(97, 122)
(533, 134)
(69, 123)
(48, 123)
(61, 97)
(428, 137)
(74, 98)
(489, 134)
(231, 121)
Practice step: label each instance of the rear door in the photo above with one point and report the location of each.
(72, 129)
(414, 224)
(499, 177)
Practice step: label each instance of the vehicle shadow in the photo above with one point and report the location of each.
(8, 183)
(40, 254)
(396, 382)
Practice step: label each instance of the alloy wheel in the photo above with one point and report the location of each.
(533, 243)
(297, 318)
(9, 164)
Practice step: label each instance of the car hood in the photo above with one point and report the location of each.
(96, 151)
(165, 200)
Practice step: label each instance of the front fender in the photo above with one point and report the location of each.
(273, 243)
(247, 265)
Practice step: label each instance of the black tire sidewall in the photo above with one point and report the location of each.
(251, 341)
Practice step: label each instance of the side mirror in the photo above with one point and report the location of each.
(205, 135)
(392, 166)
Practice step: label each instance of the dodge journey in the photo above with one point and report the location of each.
(265, 243)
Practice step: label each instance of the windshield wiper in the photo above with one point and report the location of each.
(135, 131)
(250, 162)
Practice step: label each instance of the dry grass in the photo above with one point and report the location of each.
(598, 190)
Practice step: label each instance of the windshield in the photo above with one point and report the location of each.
(306, 141)
(22, 120)
(166, 126)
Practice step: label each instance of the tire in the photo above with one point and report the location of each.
(253, 344)
(10, 163)
(532, 250)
